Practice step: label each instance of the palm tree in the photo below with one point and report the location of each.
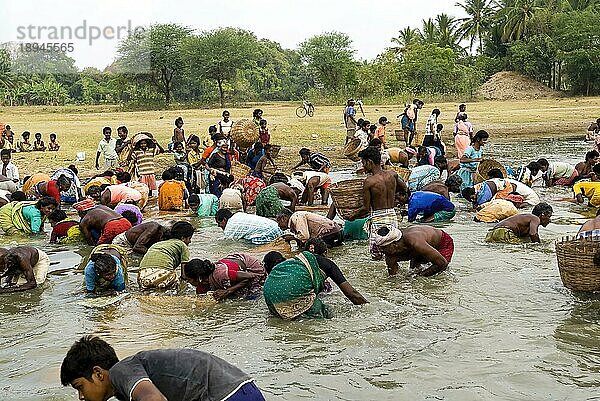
(518, 15)
(446, 28)
(480, 14)
(407, 36)
(429, 32)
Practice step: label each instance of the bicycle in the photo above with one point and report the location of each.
(307, 108)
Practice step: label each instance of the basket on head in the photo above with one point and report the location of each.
(239, 170)
(244, 132)
(352, 148)
(402, 172)
(347, 196)
(484, 166)
(576, 263)
(275, 150)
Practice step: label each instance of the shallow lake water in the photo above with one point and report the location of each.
(498, 325)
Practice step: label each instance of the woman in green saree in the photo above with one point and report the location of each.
(292, 286)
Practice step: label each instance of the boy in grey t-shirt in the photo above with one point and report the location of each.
(94, 370)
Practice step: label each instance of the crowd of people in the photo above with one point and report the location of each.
(260, 206)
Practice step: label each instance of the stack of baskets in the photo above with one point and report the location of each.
(578, 270)
(352, 148)
(244, 132)
(484, 166)
(239, 170)
(403, 172)
(347, 196)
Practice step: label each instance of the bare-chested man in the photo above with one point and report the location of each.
(141, 237)
(379, 196)
(316, 180)
(104, 221)
(520, 227)
(23, 268)
(286, 193)
(417, 244)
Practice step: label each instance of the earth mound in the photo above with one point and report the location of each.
(508, 85)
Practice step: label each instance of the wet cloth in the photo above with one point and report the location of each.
(467, 170)
(427, 204)
(143, 189)
(171, 195)
(209, 205)
(74, 236)
(483, 193)
(504, 235)
(354, 230)
(159, 266)
(495, 210)
(446, 247)
(225, 274)
(421, 176)
(33, 180)
(439, 217)
(95, 282)
(21, 217)
(268, 203)
(561, 173)
(40, 271)
(256, 229)
(291, 288)
(122, 194)
(130, 208)
(61, 229)
(99, 181)
(590, 190)
(591, 234)
(231, 199)
(394, 234)
(122, 241)
(307, 225)
(251, 188)
(112, 229)
(528, 195)
(182, 375)
(378, 219)
(324, 179)
(36, 191)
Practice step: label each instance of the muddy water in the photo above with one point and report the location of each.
(498, 325)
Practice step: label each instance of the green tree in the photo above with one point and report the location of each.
(473, 27)
(447, 32)
(517, 16)
(534, 58)
(429, 31)
(218, 55)
(154, 55)
(406, 37)
(329, 57)
(6, 76)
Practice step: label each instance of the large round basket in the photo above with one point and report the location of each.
(275, 150)
(418, 139)
(347, 196)
(352, 148)
(399, 134)
(244, 132)
(484, 166)
(576, 265)
(239, 170)
(403, 172)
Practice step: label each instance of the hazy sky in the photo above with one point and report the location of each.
(370, 24)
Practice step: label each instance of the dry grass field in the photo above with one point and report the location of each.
(80, 128)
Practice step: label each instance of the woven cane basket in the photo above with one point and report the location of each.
(576, 263)
(275, 150)
(239, 170)
(399, 134)
(244, 132)
(484, 166)
(352, 148)
(402, 172)
(347, 196)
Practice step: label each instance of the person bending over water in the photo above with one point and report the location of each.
(292, 286)
(591, 228)
(520, 227)
(417, 244)
(22, 268)
(106, 269)
(101, 219)
(141, 237)
(236, 274)
(93, 369)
